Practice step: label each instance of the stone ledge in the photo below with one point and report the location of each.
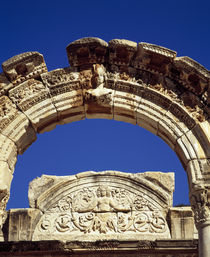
(110, 247)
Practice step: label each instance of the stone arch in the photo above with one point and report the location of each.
(141, 83)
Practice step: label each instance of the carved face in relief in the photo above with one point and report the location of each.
(103, 191)
(100, 210)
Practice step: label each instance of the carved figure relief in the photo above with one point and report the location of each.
(102, 210)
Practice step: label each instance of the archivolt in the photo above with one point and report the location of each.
(142, 84)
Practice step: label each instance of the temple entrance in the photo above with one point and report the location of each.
(141, 84)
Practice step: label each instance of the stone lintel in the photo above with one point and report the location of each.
(158, 248)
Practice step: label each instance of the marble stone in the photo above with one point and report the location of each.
(102, 205)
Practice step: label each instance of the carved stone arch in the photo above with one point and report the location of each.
(141, 83)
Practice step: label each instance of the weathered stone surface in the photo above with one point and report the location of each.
(154, 58)
(21, 224)
(102, 248)
(15, 125)
(191, 74)
(105, 205)
(24, 66)
(5, 182)
(182, 223)
(86, 51)
(5, 85)
(126, 103)
(148, 116)
(144, 84)
(33, 99)
(121, 51)
(202, 133)
(200, 202)
(188, 148)
(66, 92)
(98, 99)
(8, 151)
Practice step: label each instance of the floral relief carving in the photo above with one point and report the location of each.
(200, 204)
(26, 90)
(103, 210)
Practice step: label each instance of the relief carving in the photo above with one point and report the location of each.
(4, 197)
(24, 66)
(8, 112)
(61, 81)
(85, 79)
(28, 91)
(103, 210)
(200, 204)
(97, 95)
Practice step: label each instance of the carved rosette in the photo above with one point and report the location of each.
(102, 211)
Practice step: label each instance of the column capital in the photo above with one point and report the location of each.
(200, 203)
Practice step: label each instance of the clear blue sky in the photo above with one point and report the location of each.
(48, 27)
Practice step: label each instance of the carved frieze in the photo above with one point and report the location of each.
(101, 206)
(14, 124)
(103, 210)
(66, 92)
(33, 99)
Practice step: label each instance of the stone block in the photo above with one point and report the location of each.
(5, 179)
(202, 133)
(121, 51)
(191, 74)
(66, 93)
(15, 125)
(8, 151)
(182, 223)
(153, 57)
(99, 103)
(170, 129)
(125, 105)
(189, 148)
(86, 51)
(24, 66)
(5, 85)
(102, 206)
(194, 172)
(198, 170)
(21, 224)
(33, 99)
(149, 116)
(182, 114)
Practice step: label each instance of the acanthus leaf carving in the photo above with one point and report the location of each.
(104, 210)
(200, 204)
